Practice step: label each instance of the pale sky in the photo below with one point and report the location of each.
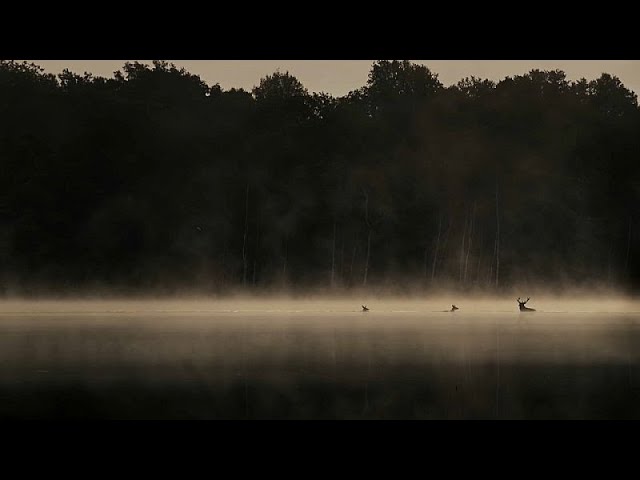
(338, 77)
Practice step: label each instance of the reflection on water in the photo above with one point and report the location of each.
(318, 360)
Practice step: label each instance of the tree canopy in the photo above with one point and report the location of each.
(154, 180)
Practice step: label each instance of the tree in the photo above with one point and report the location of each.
(153, 179)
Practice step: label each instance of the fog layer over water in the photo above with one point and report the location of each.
(320, 358)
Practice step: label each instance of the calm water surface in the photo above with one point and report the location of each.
(318, 360)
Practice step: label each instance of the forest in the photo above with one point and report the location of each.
(154, 181)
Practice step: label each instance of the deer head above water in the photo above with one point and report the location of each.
(521, 304)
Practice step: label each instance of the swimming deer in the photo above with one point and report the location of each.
(364, 309)
(522, 305)
(454, 308)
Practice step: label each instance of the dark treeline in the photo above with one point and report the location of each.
(153, 180)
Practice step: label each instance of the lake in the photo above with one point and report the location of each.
(319, 359)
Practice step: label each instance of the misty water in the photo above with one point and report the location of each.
(573, 358)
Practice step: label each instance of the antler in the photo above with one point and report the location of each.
(528, 298)
(518, 300)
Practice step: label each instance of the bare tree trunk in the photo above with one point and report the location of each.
(244, 240)
(255, 254)
(464, 234)
(366, 219)
(424, 262)
(445, 242)
(353, 257)
(495, 256)
(490, 277)
(497, 237)
(284, 262)
(626, 262)
(224, 264)
(466, 261)
(609, 259)
(366, 264)
(333, 256)
(254, 272)
(435, 253)
(480, 256)
(342, 256)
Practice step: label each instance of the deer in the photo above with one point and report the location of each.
(454, 308)
(364, 308)
(522, 305)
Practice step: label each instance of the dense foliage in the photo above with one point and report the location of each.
(154, 180)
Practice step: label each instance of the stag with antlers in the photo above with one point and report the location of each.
(522, 305)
